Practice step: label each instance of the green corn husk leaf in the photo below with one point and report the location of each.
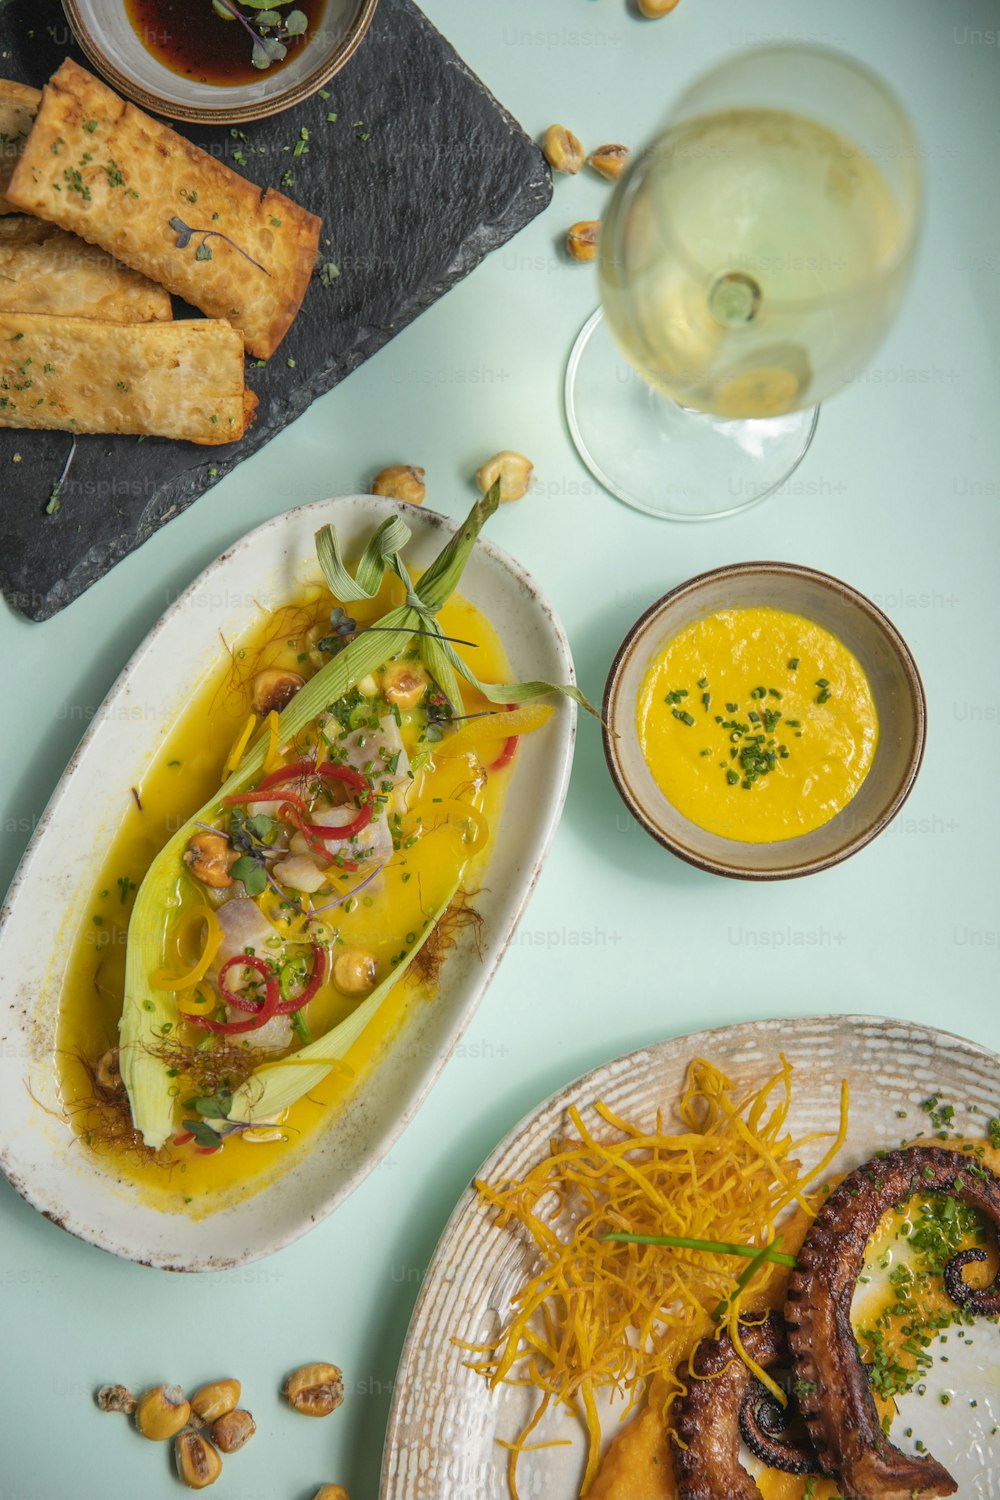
(147, 1009)
(274, 1087)
(390, 538)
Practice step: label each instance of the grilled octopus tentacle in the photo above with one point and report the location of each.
(706, 1418)
(762, 1422)
(834, 1392)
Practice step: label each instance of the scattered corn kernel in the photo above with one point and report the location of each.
(161, 1413)
(651, 9)
(108, 1077)
(116, 1397)
(274, 689)
(562, 150)
(353, 974)
(609, 161)
(514, 471)
(403, 684)
(401, 482)
(215, 1399)
(315, 1390)
(198, 1464)
(233, 1429)
(581, 241)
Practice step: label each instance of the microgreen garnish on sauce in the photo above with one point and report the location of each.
(185, 232)
(269, 29)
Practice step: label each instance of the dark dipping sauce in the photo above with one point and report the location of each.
(190, 38)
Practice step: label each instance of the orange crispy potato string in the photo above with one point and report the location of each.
(600, 1316)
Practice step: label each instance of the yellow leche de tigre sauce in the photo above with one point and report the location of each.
(186, 769)
(757, 724)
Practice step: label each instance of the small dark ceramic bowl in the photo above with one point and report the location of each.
(113, 48)
(864, 630)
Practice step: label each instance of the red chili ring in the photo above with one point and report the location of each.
(303, 768)
(288, 1007)
(249, 961)
(267, 1010)
(317, 834)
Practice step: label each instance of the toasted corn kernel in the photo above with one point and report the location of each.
(609, 161)
(315, 1390)
(209, 857)
(331, 1492)
(651, 9)
(401, 482)
(274, 689)
(198, 1464)
(215, 1399)
(403, 684)
(233, 1429)
(162, 1412)
(108, 1078)
(562, 150)
(354, 971)
(514, 472)
(581, 241)
(116, 1397)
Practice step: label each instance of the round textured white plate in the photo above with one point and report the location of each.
(445, 1423)
(38, 1150)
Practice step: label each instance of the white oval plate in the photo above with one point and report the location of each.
(39, 920)
(445, 1424)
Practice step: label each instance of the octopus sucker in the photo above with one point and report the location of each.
(835, 1395)
(721, 1400)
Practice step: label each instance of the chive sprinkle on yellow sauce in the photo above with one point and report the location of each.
(757, 724)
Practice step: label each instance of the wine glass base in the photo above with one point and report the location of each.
(665, 459)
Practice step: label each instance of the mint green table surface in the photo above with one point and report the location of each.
(622, 944)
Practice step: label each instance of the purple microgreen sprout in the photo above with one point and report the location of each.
(185, 231)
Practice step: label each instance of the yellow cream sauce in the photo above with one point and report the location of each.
(726, 679)
(186, 770)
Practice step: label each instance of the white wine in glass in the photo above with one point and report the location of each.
(751, 260)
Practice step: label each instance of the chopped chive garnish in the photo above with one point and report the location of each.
(821, 682)
(684, 717)
(759, 692)
(731, 707)
(824, 695)
(703, 682)
(706, 699)
(793, 665)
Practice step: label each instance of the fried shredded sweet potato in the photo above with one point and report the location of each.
(602, 1316)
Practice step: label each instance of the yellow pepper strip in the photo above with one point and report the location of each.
(502, 725)
(239, 747)
(272, 759)
(200, 1002)
(428, 817)
(164, 980)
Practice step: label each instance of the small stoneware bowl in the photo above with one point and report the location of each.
(863, 629)
(114, 50)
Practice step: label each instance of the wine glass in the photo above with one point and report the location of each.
(750, 261)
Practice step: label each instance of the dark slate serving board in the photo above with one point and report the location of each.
(444, 176)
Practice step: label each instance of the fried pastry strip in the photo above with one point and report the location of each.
(113, 175)
(181, 380)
